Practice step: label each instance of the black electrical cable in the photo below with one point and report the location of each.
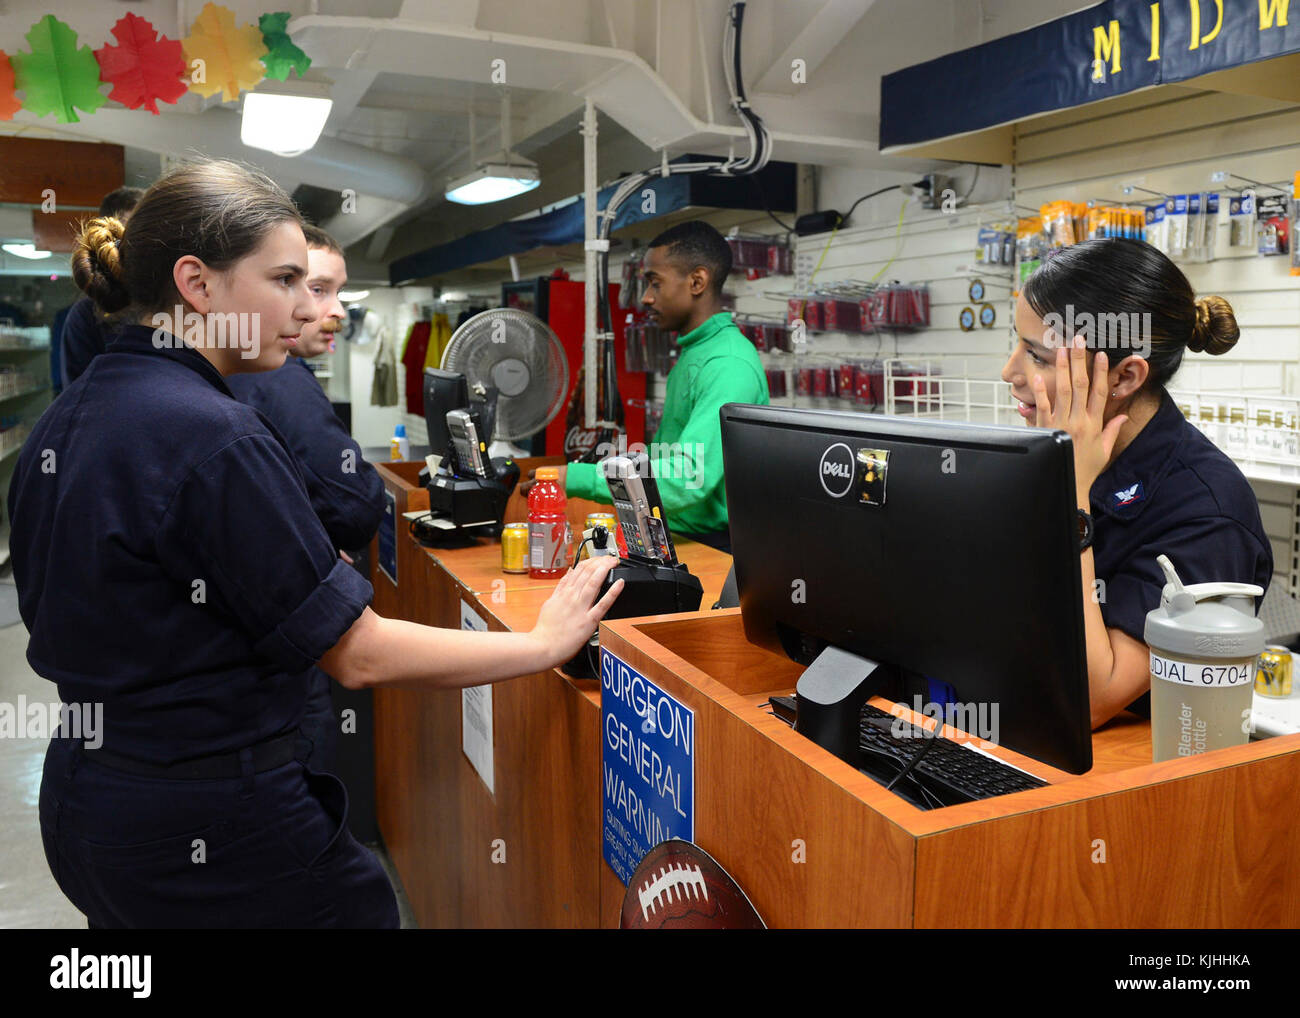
(762, 197)
(577, 555)
(892, 187)
(919, 755)
(756, 160)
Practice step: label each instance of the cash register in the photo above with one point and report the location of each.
(654, 581)
(468, 488)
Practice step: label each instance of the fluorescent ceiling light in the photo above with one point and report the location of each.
(287, 125)
(502, 176)
(350, 295)
(25, 251)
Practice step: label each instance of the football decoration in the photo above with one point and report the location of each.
(679, 886)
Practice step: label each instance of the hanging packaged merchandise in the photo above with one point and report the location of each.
(1295, 224)
(629, 295)
(995, 244)
(1157, 227)
(758, 254)
(987, 246)
(1176, 224)
(1274, 224)
(1241, 221)
(1209, 227)
(844, 380)
(1058, 221)
(1096, 222)
(1195, 227)
(841, 315)
(1030, 242)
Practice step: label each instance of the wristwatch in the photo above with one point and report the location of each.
(1085, 530)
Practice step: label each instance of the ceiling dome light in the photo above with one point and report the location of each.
(25, 251)
(285, 117)
(500, 177)
(504, 174)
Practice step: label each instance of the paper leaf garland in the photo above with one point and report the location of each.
(9, 103)
(144, 67)
(232, 57)
(56, 75)
(281, 54)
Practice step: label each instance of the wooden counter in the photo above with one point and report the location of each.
(1205, 841)
(444, 830)
(1208, 841)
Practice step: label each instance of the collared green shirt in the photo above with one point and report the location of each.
(717, 365)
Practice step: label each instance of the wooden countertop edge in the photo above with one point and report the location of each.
(920, 823)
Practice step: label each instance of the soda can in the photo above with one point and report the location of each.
(514, 548)
(607, 520)
(1273, 672)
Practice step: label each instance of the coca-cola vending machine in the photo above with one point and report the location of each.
(561, 304)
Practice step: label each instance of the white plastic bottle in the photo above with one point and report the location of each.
(399, 447)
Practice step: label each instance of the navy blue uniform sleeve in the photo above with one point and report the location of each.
(241, 522)
(56, 350)
(82, 339)
(1207, 550)
(346, 491)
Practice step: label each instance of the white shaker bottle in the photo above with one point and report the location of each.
(1204, 640)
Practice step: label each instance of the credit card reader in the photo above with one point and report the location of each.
(654, 581)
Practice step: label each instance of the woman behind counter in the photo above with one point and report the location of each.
(1151, 481)
(170, 567)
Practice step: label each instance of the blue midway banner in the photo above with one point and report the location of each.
(647, 766)
(1107, 50)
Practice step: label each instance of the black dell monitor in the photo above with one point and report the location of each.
(443, 391)
(890, 552)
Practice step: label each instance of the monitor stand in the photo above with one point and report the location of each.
(830, 695)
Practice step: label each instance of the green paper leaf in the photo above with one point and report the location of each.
(281, 54)
(56, 75)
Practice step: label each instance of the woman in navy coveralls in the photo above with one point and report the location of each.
(1150, 480)
(169, 566)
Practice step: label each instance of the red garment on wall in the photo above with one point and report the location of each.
(417, 345)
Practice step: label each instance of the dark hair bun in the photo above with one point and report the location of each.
(1216, 330)
(97, 263)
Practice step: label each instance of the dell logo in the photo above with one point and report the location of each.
(836, 473)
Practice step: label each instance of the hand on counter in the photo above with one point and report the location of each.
(569, 616)
(527, 485)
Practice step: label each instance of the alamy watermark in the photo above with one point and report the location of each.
(978, 719)
(40, 720)
(670, 459)
(1105, 331)
(75, 971)
(233, 330)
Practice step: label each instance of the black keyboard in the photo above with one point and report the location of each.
(948, 774)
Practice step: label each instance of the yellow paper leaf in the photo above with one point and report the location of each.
(231, 56)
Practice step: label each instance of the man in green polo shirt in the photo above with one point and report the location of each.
(685, 268)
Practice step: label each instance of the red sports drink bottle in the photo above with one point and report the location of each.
(548, 527)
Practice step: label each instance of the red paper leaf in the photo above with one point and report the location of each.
(9, 103)
(144, 67)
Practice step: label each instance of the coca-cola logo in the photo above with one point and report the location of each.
(579, 441)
